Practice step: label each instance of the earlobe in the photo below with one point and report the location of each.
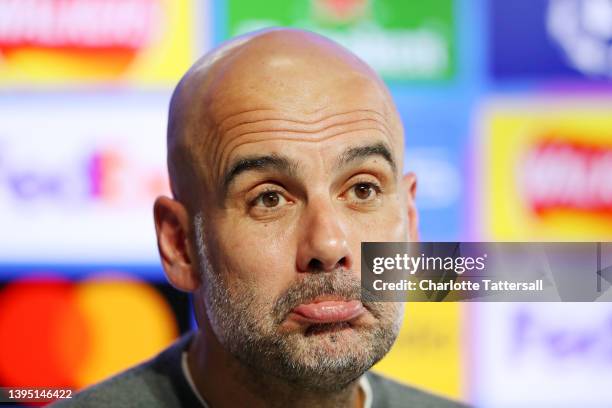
(410, 187)
(172, 227)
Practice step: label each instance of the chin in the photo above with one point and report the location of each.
(334, 341)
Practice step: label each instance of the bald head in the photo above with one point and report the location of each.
(282, 83)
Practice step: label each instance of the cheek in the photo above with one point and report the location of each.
(384, 226)
(257, 253)
(387, 224)
(394, 222)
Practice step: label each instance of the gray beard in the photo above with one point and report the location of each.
(320, 359)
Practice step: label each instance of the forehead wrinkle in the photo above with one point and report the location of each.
(272, 126)
(293, 139)
(221, 123)
(226, 136)
(232, 143)
(303, 126)
(215, 85)
(285, 115)
(225, 139)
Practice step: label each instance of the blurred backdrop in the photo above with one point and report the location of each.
(507, 107)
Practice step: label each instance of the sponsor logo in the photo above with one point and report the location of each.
(402, 41)
(80, 185)
(560, 40)
(546, 170)
(559, 341)
(122, 24)
(62, 333)
(542, 354)
(583, 29)
(108, 176)
(341, 11)
(561, 175)
(49, 42)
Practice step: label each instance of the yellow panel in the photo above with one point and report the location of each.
(510, 134)
(428, 352)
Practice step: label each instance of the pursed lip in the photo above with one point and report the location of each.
(327, 309)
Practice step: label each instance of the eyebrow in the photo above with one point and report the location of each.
(259, 163)
(285, 165)
(363, 152)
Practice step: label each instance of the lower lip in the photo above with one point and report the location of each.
(332, 311)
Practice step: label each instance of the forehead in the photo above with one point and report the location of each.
(341, 117)
(297, 84)
(293, 74)
(261, 97)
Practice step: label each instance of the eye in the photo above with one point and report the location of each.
(364, 191)
(269, 199)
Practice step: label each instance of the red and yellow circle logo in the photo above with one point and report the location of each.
(55, 332)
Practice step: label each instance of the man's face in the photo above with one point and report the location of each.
(291, 197)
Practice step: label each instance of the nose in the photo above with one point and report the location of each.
(323, 245)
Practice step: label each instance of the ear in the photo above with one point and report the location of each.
(172, 226)
(409, 183)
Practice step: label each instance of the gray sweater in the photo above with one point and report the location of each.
(160, 382)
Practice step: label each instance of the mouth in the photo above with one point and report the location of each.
(326, 310)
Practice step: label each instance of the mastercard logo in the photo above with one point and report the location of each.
(59, 333)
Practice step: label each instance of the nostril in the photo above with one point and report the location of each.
(315, 265)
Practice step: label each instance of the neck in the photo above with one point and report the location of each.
(224, 382)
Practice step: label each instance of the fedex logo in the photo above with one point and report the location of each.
(560, 341)
(544, 355)
(106, 176)
(84, 169)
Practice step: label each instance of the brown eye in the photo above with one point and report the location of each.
(363, 191)
(270, 199)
